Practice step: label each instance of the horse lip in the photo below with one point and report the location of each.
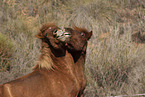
(67, 33)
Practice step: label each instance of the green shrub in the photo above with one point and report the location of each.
(6, 52)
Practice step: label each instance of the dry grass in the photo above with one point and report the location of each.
(115, 65)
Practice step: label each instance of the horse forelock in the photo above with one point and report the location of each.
(47, 26)
(80, 29)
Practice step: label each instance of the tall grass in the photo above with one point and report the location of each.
(115, 65)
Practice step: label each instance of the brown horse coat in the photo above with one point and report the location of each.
(58, 73)
(53, 76)
(77, 47)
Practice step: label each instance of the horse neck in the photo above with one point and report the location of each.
(81, 60)
(79, 57)
(63, 63)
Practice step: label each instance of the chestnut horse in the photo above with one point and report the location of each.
(77, 47)
(54, 74)
(57, 73)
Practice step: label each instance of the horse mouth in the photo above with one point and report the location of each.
(62, 35)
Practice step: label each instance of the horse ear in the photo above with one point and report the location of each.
(89, 35)
(40, 35)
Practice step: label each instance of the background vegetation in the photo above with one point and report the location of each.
(115, 63)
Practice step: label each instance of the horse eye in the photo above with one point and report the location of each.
(46, 34)
(82, 34)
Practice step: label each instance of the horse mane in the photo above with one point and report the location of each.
(45, 60)
(47, 26)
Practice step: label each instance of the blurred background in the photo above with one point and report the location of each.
(115, 63)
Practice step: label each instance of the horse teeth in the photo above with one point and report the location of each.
(62, 35)
(59, 33)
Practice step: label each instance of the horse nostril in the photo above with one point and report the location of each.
(55, 33)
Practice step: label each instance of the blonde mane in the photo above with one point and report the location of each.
(45, 60)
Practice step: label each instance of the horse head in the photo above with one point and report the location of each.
(79, 38)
